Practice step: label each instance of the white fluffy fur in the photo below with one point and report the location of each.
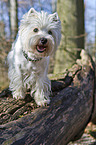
(25, 74)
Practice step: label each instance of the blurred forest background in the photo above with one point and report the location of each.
(78, 19)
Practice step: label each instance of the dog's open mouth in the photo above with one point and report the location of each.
(41, 48)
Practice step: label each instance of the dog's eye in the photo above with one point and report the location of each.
(36, 30)
(50, 32)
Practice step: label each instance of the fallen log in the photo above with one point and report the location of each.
(63, 120)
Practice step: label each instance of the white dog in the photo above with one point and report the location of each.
(38, 38)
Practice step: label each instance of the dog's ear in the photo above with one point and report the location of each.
(32, 11)
(55, 17)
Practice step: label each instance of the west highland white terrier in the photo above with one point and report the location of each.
(38, 38)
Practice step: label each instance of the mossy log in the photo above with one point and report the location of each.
(63, 120)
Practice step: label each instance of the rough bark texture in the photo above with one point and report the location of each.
(13, 13)
(64, 120)
(71, 13)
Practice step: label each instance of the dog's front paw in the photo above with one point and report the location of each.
(42, 102)
(41, 99)
(18, 95)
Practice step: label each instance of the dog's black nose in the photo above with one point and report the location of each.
(43, 40)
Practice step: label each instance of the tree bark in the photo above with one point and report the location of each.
(71, 13)
(13, 16)
(64, 120)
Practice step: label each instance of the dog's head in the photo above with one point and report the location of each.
(40, 33)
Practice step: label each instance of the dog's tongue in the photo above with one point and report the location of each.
(41, 48)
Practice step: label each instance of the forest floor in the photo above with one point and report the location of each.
(88, 137)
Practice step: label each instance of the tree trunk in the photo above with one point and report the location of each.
(13, 16)
(64, 120)
(71, 13)
(54, 6)
(2, 32)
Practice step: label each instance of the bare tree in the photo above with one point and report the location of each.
(71, 14)
(54, 5)
(2, 26)
(13, 14)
